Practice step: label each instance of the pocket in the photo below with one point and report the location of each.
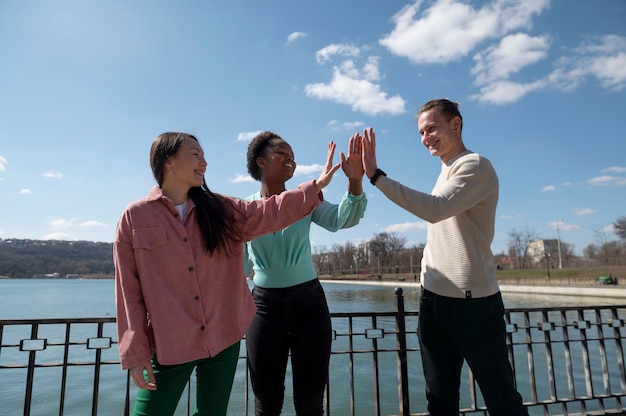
(149, 238)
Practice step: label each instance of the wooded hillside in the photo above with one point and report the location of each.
(39, 258)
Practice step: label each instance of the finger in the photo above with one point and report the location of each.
(371, 140)
(139, 380)
(330, 155)
(366, 145)
(358, 145)
(372, 137)
(151, 378)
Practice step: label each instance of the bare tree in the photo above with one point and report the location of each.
(409, 260)
(619, 227)
(519, 239)
(320, 258)
(345, 258)
(385, 248)
(567, 254)
(602, 237)
(615, 252)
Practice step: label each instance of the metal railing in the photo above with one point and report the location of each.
(567, 360)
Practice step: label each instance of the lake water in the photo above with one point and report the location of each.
(47, 298)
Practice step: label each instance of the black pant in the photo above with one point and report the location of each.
(451, 330)
(288, 319)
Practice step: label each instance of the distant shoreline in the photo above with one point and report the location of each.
(607, 291)
(44, 277)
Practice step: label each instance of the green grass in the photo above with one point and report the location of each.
(565, 273)
(573, 275)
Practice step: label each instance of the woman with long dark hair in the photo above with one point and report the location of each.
(182, 300)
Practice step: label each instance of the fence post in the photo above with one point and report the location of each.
(403, 373)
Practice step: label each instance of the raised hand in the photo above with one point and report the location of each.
(352, 165)
(369, 152)
(329, 170)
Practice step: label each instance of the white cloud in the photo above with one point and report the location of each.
(602, 58)
(295, 36)
(607, 59)
(93, 223)
(513, 53)
(563, 226)
(615, 169)
(406, 227)
(445, 32)
(355, 82)
(607, 180)
(239, 178)
(608, 228)
(510, 217)
(25, 191)
(302, 170)
(355, 88)
(569, 227)
(344, 50)
(52, 174)
(548, 188)
(506, 92)
(344, 126)
(3, 164)
(449, 30)
(61, 223)
(583, 211)
(248, 136)
(59, 236)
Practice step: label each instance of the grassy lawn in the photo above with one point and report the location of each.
(566, 273)
(586, 275)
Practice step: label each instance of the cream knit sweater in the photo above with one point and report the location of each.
(460, 212)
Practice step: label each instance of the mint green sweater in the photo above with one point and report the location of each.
(283, 258)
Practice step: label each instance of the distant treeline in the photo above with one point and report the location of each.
(38, 258)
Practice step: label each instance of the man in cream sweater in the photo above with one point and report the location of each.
(461, 311)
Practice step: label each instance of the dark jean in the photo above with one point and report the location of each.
(293, 319)
(451, 330)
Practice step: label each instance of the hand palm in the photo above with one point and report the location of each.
(353, 166)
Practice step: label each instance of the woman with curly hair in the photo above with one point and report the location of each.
(292, 314)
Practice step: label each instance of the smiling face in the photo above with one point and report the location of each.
(277, 163)
(186, 168)
(442, 137)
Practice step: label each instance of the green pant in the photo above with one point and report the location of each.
(214, 381)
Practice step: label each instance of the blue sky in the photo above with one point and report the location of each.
(85, 86)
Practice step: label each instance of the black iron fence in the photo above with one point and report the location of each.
(567, 361)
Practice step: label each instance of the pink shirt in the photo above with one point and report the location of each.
(173, 298)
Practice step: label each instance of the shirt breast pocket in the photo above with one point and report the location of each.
(149, 238)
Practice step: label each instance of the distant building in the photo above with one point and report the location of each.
(539, 250)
